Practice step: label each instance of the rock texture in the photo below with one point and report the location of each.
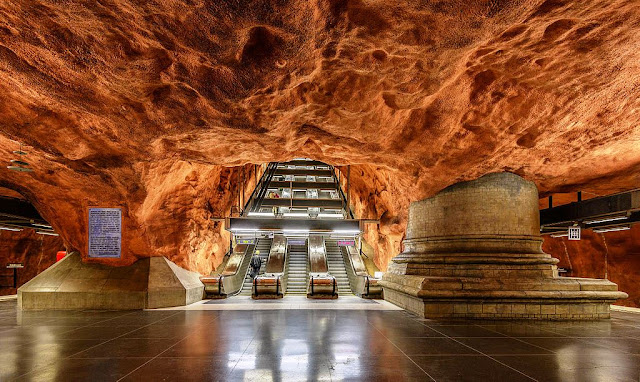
(36, 252)
(154, 106)
(611, 255)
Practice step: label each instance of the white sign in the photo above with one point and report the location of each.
(15, 265)
(105, 232)
(574, 233)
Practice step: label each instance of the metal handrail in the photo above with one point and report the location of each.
(257, 188)
(342, 195)
(267, 176)
(247, 271)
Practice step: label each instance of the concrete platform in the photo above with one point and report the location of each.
(149, 283)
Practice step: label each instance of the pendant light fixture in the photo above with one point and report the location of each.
(20, 164)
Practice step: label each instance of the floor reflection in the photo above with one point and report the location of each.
(309, 345)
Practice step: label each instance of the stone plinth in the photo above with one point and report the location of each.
(474, 251)
(148, 283)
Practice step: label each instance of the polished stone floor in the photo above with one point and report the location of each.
(314, 345)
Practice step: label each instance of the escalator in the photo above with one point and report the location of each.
(297, 269)
(337, 267)
(263, 245)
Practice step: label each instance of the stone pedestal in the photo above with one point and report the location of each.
(148, 283)
(474, 251)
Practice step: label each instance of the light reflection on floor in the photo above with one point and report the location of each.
(309, 344)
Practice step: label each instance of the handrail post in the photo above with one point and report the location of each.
(312, 285)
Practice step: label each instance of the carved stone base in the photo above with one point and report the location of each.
(566, 299)
(474, 251)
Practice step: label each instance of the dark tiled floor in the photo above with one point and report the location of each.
(316, 345)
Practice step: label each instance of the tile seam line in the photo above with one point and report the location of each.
(486, 355)
(91, 347)
(170, 347)
(523, 341)
(156, 356)
(401, 351)
(76, 328)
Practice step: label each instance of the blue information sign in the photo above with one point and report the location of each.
(105, 232)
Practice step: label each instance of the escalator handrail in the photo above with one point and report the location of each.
(342, 195)
(257, 188)
(267, 176)
(246, 272)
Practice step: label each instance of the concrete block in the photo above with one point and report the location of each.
(148, 283)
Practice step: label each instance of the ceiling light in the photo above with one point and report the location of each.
(295, 214)
(268, 214)
(243, 229)
(560, 235)
(18, 168)
(606, 219)
(346, 231)
(322, 215)
(19, 165)
(47, 233)
(612, 229)
(11, 229)
(295, 230)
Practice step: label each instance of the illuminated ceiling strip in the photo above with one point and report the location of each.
(612, 229)
(609, 219)
(11, 229)
(268, 214)
(47, 233)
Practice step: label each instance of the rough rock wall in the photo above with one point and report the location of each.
(168, 216)
(611, 255)
(153, 105)
(36, 252)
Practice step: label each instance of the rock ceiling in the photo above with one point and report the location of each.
(154, 106)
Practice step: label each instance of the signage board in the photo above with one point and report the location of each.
(346, 243)
(15, 265)
(574, 233)
(245, 241)
(296, 241)
(105, 232)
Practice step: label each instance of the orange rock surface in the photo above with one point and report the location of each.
(611, 255)
(153, 106)
(35, 252)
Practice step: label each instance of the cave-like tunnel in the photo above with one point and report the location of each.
(320, 190)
